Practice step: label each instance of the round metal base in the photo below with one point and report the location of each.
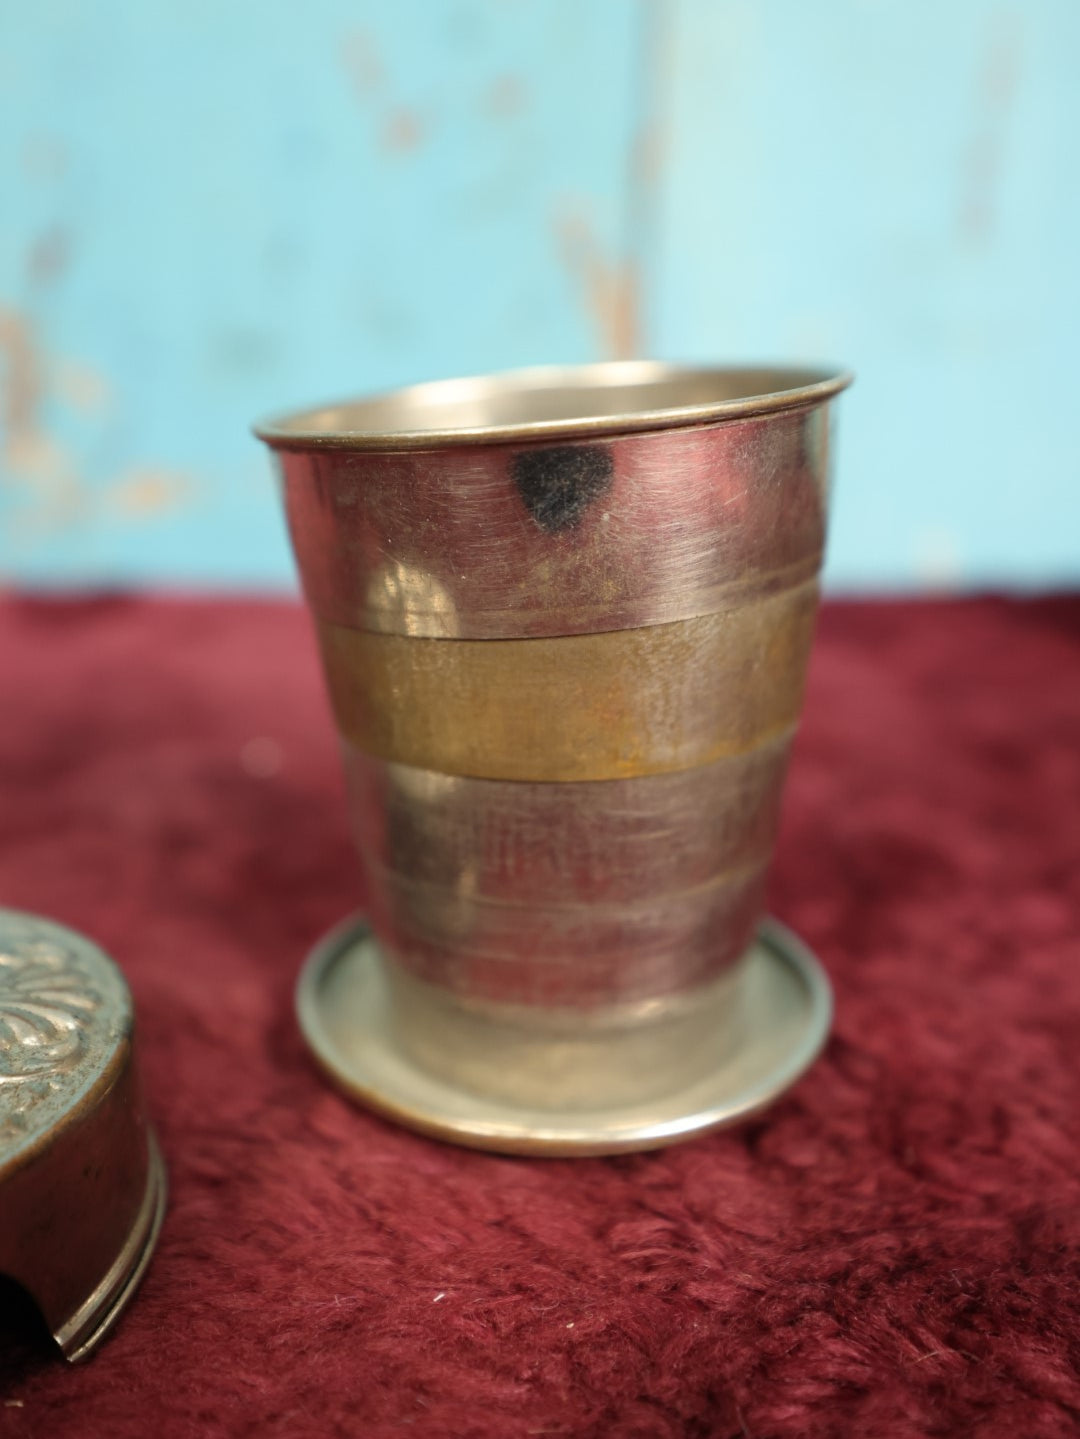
(343, 1008)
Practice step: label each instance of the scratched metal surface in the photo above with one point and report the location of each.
(655, 951)
(570, 894)
(585, 843)
(209, 217)
(503, 541)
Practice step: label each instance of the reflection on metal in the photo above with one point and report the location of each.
(412, 600)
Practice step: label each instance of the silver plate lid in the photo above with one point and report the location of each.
(82, 1185)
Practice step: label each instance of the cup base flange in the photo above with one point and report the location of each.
(343, 1008)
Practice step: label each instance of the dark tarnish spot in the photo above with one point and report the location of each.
(558, 485)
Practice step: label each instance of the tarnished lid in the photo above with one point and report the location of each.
(82, 1185)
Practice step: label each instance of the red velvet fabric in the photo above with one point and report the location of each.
(893, 1250)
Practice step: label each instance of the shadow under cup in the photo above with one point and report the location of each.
(565, 617)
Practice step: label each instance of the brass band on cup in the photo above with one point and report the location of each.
(581, 707)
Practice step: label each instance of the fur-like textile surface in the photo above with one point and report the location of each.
(893, 1250)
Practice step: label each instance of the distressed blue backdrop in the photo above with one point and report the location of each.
(211, 211)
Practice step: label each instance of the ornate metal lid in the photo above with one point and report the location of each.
(75, 1234)
(63, 1012)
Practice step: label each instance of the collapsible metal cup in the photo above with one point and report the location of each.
(565, 616)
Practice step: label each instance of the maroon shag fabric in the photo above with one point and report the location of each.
(893, 1250)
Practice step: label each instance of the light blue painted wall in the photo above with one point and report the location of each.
(897, 185)
(208, 212)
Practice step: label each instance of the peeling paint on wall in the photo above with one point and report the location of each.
(360, 56)
(146, 492)
(82, 388)
(21, 387)
(506, 97)
(49, 256)
(402, 131)
(362, 195)
(42, 475)
(33, 461)
(609, 288)
(998, 82)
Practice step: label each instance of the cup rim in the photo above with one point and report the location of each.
(559, 397)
